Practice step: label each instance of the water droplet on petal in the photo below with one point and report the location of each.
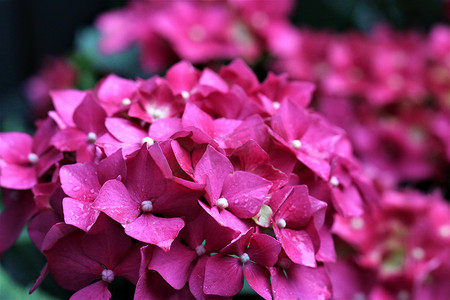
(76, 188)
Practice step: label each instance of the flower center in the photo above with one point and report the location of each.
(281, 223)
(296, 144)
(357, 223)
(146, 206)
(334, 181)
(107, 275)
(185, 95)
(197, 33)
(126, 101)
(418, 253)
(244, 258)
(33, 158)
(147, 140)
(444, 231)
(91, 138)
(200, 250)
(222, 203)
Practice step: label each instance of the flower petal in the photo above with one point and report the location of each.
(223, 276)
(115, 201)
(153, 230)
(96, 291)
(179, 258)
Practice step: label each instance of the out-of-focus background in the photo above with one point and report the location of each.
(32, 30)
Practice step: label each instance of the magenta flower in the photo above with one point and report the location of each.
(103, 253)
(89, 119)
(24, 159)
(242, 193)
(296, 220)
(252, 251)
(145, 193)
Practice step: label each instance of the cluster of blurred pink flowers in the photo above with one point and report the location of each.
(389, 90)
(399, 250)
(186, 184)
(199, 31)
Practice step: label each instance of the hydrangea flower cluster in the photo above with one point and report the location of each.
(183, 185)
(398, 251)
(389, 90)
(199, 31)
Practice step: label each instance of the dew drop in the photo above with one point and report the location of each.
(76, 188)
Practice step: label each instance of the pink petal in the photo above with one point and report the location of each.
(43, 135)
(183, 158)
(179, 258)
(68, 264)
(106, 242)
(251, 155)
(113, 90)
(41, 224)
(42, 275)
(227, 219)
(96, 291)
(327, 252)
(65, 102)
(291, 121)
(310, 283)
(214, 166)
(57, 232)
(115, 201)
(182, 76)
(69, 139)
(90, 116)
(264, 249)
(79, 213)
(154, 230)
(18, 209)
(129, 264)
(245, 193)
(163, 129)
(80, 181)
(211, 79)
(296, 208)
(297, 245)
(177, 200)
(195, 117)
(48, 160)
(238, 246)
(152, 286)
(196, 282)
(223, 276)
(238, 72)
(112, 167)
(145, 179)
(15, 147)
(125, 130)
(17, 177)
(258, 277)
